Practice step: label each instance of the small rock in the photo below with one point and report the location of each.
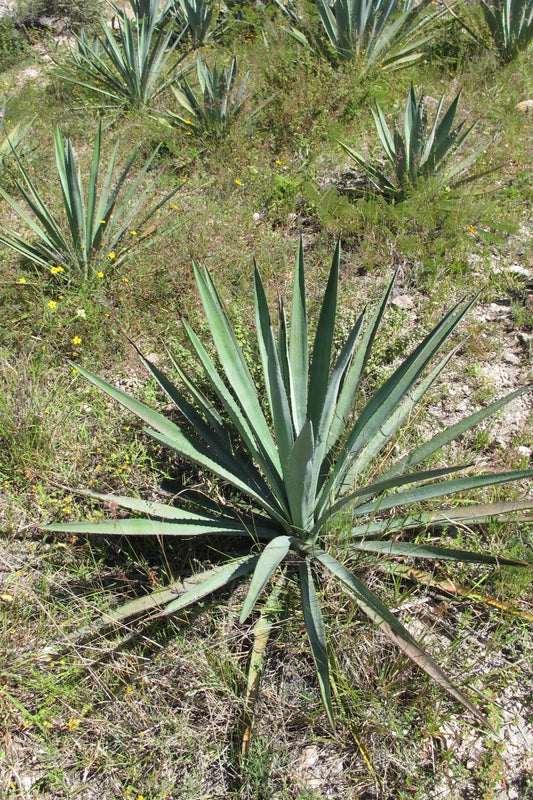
(524, 452)
(511, 358)
(403, 301)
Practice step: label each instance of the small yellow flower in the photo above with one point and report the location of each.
(74, 723)
(100, 274)
(188, 122)
(471, 228)
(279, 161)
(133, 233)
(22, 280)
(175, 207)
(129, 690)
(112, 256)
(52, 303)
(238, 182)
(126, 280)
(55, 270)
(102, 222)
(76, 340)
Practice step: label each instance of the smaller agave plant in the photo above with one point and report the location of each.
(217, 105)
(510, 23)
(422, 152)
(10, 139)
(296, 467)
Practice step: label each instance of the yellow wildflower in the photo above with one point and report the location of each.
(55, 270)
(133, 233)
(100, 274)
(22, 280)
(111, 256)
(238, 182)
(52, 303)
(76, 340)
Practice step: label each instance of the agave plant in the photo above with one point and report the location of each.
(132, 69)
(510, 23)
(384, 32)
(142, 9)
(219, 103)
(297, 467)
(421, 152)
(96, 220)
(194, 16)
(12, 139)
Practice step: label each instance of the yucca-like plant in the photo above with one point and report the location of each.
(219, 102)
(98, 219)
(194, 16)
(510, 23)
(126, 63)
(422, 152)
(298, 466)
(12, 138)
(384, 32)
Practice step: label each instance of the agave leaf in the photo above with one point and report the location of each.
(380, 486)
(466, 515)
(439, 489)
(299, 476)
(298, 346)
(213, 432)
(251, 485)
(269, 560)
(398, 418)
(384, 133)
(252, 441)
(277, 396)
(219, 577)
(191, 525)
(387, 622)
(386, 399)
(179, 594)
(440, 440)
(410, 550)
(234, 363)
(317, 635)
(353, 377)
(320, 364)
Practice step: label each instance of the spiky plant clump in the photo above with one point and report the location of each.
(298, 466)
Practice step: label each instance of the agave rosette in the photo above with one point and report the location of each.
(297, 466)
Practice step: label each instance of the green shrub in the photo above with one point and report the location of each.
(14, 45)
(73, 12)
